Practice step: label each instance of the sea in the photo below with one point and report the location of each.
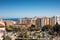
(11, 19)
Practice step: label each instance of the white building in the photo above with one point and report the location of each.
(2, 29)
(57, 19)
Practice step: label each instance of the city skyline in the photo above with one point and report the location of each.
(29, 8)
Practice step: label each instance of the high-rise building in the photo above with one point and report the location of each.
(45, 21)
(52, 21)
(38, 22)
(57, 19)
(34, 20)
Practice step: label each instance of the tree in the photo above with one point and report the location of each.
(56, 28)
(48, 28)
(7, 27)
(32, 25)
(7, 38)
(57, 23)
(32, 28)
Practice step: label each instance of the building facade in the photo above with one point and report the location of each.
(26, 21)
(52, 21)
(45, 21)
(39, 22)
(57, 19)
(34, 20)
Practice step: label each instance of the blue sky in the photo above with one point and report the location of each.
(29, 8)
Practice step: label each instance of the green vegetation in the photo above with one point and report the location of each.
(7, 38)
(52, 29)
(25, 39)
(56, 28)
(8, 27)
(34, 28)
(16, 29)
(22, 33)
(46, 28)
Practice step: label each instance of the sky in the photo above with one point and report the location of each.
(29, 8)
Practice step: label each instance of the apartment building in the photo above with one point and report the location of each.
(24, 22)
(45, 21)
(39, 22)
(57, 19)
(34, 20)
(52, 21)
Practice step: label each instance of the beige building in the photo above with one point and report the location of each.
(19, 26)
(34, 20)
(24, 22)
(45, 21)
(52, 21)
(48, 21)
